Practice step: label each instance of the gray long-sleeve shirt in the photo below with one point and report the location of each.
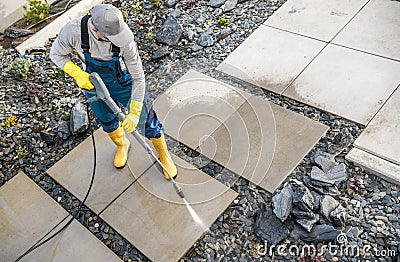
(69, 39)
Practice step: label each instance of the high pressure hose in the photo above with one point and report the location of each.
(80, 206)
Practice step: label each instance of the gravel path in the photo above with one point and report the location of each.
(40, 102)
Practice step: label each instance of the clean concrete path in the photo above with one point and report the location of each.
(340, 56)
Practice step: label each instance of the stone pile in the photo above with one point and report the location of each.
(309, 207)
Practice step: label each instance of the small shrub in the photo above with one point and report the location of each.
(37, 10)
(21, 151)
(224, 22)
(65, 117)
(33, 91)
(155, 2)
(138, 8)
(150, 36)
(60, 73)
(10, 121)
(20, 67)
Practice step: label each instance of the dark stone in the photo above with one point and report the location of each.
(328, 204)
(170, 32)
(337, 173)
(318, 177)
(14, 32)
(63, 130)
(48, 138)
(318, 233)
(205, 39)
(323, 190)
(324, 160)
(224, 33)
(268, 227)
(171, 3)
(79, 120)
(334, 176)
(229, 5)
(308, 223)
(283, 202)
(216, 3)
(161, 52)
(317, 199)
(339, 215)
(303, 214)
(340, 141)
(303, 198)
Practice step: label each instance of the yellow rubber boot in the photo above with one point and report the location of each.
(118, 136)
(161, 147)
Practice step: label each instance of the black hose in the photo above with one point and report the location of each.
(83, 202)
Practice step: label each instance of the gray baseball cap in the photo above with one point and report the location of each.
(108, 20)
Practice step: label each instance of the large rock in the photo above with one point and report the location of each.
(328, 204)
(170, 32)
(308, 223)
(303, 214)
(161, 52)
(341, 141)
(79, 120)
(229, 5)
(63, 130)
(324, 160)
(339, 215)
(171, 3)
(283, 202)
(268, 227)
(15, 32)
(318, 233)
(334, 176)
(303, 198)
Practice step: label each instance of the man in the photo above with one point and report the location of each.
(106, 45)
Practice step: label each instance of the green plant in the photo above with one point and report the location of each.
(224, 22)
(150, 36)
(10, 121)
(155, 2)
(21, 151)
(65, 117)
(60, 73)
(20, 67)
(37, 10)
(138, 8)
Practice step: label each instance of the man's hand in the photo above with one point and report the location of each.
(132, 119)
(81, 77)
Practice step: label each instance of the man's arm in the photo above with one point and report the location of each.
(134, 65)
(62, 46)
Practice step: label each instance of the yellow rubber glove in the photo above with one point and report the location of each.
(132, 119)
(81, 77)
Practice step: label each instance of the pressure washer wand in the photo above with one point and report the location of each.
(101, 93)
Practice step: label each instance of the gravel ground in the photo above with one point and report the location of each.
(41, 100)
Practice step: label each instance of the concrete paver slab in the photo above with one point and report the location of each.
(160, 229)
(295, 137)
(346, 82)
(74, 171)
(27, 213)
(375, 29)
(382, 135)
(271, 58)
(376, 165)
(321, 20)
(75, 243)
(195, 105)
(245, 142)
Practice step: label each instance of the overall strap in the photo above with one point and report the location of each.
(115, 50)
(85, 34)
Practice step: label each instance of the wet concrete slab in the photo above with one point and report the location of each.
(74, 171)
(346, 82)
(273, 147)
(374, 30)
(195, 105)
(322, 20)
(381, 137)
(75, 243)
(271, 58)
(156, 221)
(27, 213)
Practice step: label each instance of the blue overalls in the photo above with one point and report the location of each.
(119, 84)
